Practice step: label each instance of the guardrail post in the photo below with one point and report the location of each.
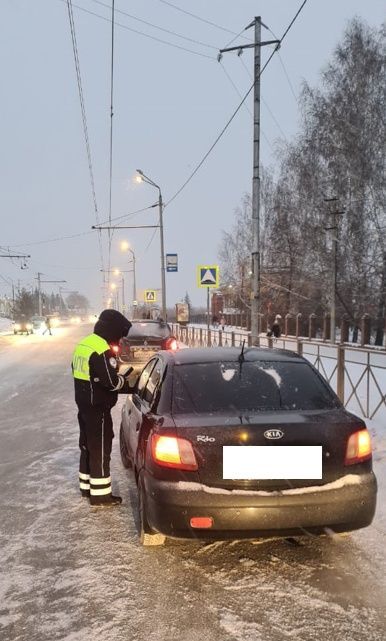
(344, 328)
(312, 326)
(365, 329)
(200, 336)
(300, 347)
(287, 320)
(209, 338)
(249, 340)
(270, 342)
(297, 328)
(340, 373)
(326, 327)
(233, 339)
(220, 338)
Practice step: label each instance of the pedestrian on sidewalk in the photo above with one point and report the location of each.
(276, 329)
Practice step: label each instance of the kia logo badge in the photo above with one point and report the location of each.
(273, 434)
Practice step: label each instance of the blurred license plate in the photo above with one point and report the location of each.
(272, 462)
(143, 354)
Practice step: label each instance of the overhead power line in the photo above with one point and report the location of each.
(155, 26)
(84, 119)
(141, 33)
(246, 106)
(194, 15)
(52, 240)
(264, 101)
(226, 126)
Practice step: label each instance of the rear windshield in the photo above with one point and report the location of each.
(251, 387)
(149, 330)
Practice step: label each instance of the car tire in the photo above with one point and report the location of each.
(123, 449)
(147, 536)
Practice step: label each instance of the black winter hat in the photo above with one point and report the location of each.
(111, 325)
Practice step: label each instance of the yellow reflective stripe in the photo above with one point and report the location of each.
(100, 481)
(84, 476)
(101, 492)
(84, 486)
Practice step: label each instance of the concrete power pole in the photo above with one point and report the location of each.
(334, 229)
(255, 303)
(39, 293)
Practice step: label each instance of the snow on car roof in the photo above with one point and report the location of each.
(215, 354)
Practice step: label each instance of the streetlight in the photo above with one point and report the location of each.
(118, 272)
(143, 178)
(125, 246)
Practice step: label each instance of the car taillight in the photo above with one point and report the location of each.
(170, 451)
(115, 348)
(170, 343)
(358, 448)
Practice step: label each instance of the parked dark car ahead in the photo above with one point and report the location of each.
(226, 444)
(144, 339)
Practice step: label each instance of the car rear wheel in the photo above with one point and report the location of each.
(123, 449)
(147, 536)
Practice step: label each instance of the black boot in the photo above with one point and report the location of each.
(105, 500)
(85, 493)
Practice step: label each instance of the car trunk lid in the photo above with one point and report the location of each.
(209, 434)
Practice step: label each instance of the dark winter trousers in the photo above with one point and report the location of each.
(95, 440)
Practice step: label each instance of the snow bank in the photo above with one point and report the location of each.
(5, 325)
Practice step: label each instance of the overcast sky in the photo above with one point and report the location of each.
(169, 106)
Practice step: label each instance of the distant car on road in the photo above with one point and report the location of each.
(145, 338)
(38, 323)
(227, 443)
(22, 325)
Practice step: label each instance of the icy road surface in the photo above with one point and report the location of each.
(72, 574)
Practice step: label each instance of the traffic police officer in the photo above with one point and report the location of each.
(97, 384)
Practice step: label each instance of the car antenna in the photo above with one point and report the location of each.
(241, 357)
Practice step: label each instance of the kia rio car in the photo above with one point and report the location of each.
(144, 339)
(234, 443)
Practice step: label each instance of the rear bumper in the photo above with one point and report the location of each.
(170, 507)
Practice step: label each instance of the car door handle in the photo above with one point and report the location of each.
(129, 412)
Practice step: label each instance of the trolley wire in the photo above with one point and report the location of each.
(111, 133)
(84, 121)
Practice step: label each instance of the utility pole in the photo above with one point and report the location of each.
(40, 281)
(333, 228)
(120, 272)
(255, 306)
(39, 293)
(163, 279)
(160, 226)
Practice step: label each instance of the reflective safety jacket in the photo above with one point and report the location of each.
(95, 372)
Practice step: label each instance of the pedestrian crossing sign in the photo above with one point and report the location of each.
(150, 296)
(208, 276)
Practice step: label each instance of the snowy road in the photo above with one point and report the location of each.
(72, 574)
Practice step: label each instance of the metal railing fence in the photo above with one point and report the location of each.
(356, 374)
